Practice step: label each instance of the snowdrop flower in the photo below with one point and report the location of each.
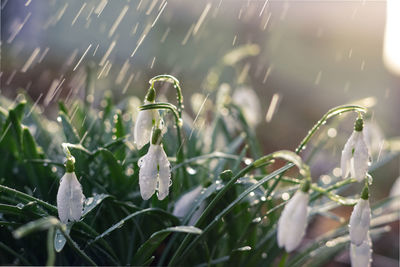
(69, 196)
(155, 170)
(360, 256)
(293, 221)
(360, 219)
(355, 154)
(145, 121)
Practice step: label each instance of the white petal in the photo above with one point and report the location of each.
(69, 198)
(293, 221)
(164, 174)
(148, 173)
(347, 155)
(299, 218)
(361, 255)
(373, 136)
(361, 156)
(359, 222)
(184, 203)
(143, 126)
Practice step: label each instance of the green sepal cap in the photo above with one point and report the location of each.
(358, 126)
(151, 95)
(156, 136)
(365, 193)
(70, 164)
(305, 187)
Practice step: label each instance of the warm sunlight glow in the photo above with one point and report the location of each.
(391, 49)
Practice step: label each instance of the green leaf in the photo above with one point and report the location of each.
(70, 133)
(149, 211)
(93, 202)
(38, 225)
(147, 248)
(118, 177)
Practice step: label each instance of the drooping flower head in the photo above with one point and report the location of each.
(355, 155)
(293, 221)
(360, 219)
(145, 121)
(69, 196)
(155, 169)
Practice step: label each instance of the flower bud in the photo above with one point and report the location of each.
(359, 222)
(355, 155)
(293, 221)
(144, 123)
(154, 173)
(69, 196)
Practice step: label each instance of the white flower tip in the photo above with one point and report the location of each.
(69, 198)
(359, 222)
(293, 221)
(154, 173)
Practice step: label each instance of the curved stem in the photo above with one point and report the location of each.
(332, 112)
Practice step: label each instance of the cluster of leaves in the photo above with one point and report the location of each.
(239, 203)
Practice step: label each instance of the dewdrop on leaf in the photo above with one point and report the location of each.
(155, 170)
(293, 221)
(145, 121)
(69, 196)
(355, 155)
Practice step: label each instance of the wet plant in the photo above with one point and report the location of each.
(143, 186)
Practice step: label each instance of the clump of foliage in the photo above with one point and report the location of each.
(230, 220)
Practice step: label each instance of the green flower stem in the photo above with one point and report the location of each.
(177, 111)
(326, 192)
(331, 113)
(175, 82)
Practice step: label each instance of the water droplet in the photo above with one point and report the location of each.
(285, 196)
(264, 255)
(248, 161)
(191, 171)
